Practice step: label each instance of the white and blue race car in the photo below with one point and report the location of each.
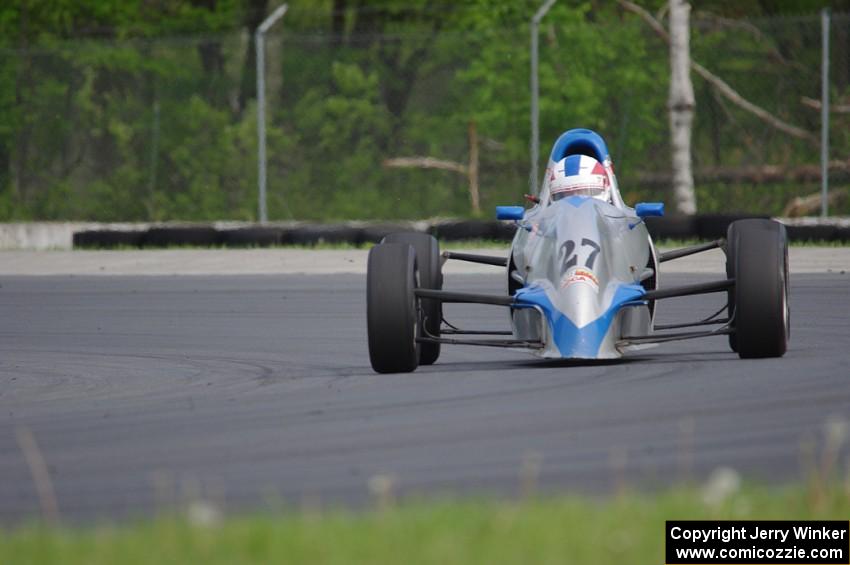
(582, 281)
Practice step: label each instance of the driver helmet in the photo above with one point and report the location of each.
(579, 175)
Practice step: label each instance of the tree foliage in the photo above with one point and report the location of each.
(144, 109)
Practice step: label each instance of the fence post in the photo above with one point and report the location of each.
(535, 94)
(824, 114)
(260, 45)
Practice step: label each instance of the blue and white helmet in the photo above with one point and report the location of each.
(579, 175)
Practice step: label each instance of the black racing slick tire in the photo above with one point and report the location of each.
(731, 243)
(392, 315)
(758, 253)
(431, 277)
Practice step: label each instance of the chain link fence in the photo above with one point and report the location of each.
(406, 125)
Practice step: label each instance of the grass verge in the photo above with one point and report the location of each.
(628, 528)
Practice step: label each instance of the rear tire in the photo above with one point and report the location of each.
(731, 243)
(758, 255)
(392, 316)
(430, 277)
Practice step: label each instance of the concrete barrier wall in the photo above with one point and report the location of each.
(68, 235)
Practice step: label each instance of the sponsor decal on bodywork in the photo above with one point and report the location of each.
(581, 275)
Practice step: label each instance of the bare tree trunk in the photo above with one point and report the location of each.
(474, 198)
(469, 170)
(681, 105)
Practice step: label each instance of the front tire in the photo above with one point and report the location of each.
(392, 314)
(759, 301)
(431, 277)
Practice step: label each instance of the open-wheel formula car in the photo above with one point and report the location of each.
(582, 277)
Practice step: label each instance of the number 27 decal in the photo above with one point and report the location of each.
(570, 259)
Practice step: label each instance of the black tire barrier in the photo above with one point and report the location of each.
(104, 239)
(842, 233)
(504, 231)
(672, 227)
(715, 226)
(315, 234)
(201, 236)
(286, 236)
(706, 227)
(251, 237)
(374, 233)
(464, 229)
(812, 233)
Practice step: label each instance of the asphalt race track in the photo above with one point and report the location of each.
(251, 391)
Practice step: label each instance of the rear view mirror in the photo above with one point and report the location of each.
(509, 212)
(648, 209)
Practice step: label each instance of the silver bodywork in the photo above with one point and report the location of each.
(578, 269)
(588, 257)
